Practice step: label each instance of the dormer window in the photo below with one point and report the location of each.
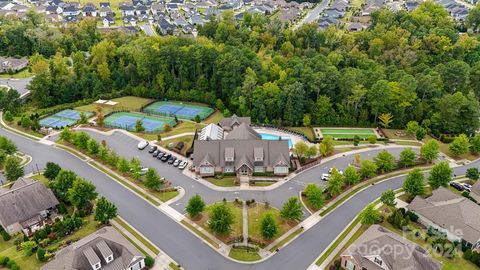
(97, 266)
(377, 261)
(109, 259)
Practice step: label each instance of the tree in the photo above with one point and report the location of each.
(385, 161)
(51, 170)
(420, 133)
(460, 145)
(13, 168)
(62, 183)
(195, 206)
(83, 118)
(430, 150)
(123, 165)
(93, 147)
(386, 119)
(7, 145)
(388, 198)
(475, 144)
(100, 117)
(307, 120)
(300, 148)
(369, 215)
(314, 195)
(407, 157)
(28, 247)
(368, 169)
(473, 173)
(356, 140)
(326, 146)
(269, 227)
(351, 176)
(66, 134)
(335, 183)
(41, 254)
(139, 126)
(81, 140)
(197, 119)
(440, 175)
(105, 210)
(292, 209)
(152, 180)
(311, 152)
(473, 18)
(412, 127)
(221, 219)
(414, 183)
(81, 193)
(372, 139)
(8, 116)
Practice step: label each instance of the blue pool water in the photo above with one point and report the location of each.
(271, 137)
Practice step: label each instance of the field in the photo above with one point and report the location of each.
(187, 140)
(127, 103)
(345, 133)
(236, 231)
(255, 214)
(128, 121)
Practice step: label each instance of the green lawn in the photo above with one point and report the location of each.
(187, 140)
(398, 134)
(286, 240)
(236, 228)
(137, 235)
(255, 214)
(226, 181)
(347, 131)
(199, 233)
(214, 118)
(183, 127)
(41, 178)
(128, 103)
(308, 131)
(243, 254)
(19, 75)
(346, 136)
(444, 149)
(165, 196)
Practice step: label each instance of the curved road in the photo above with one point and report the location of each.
(183, 246)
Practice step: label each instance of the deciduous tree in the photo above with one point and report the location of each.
(440, 175)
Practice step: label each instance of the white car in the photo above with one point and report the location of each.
(141, 145)
(176, 163)
(325, 176)
(467, 187)
(182, 165)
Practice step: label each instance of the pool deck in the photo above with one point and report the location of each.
(293, 138)
(319, 134)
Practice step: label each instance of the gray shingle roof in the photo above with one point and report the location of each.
(77, 255)
(452, 212)
(25, 200)
(378, 242)
(243, 132)
(229, 122)
(476, 188)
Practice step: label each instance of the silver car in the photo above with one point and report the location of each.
(141, 145)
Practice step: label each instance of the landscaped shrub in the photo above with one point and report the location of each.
(149, 261)
(41, 254)
(413, 216)
(4, 260)
(5, 236)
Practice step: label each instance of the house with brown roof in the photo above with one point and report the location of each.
(27, 206)
(242, 152)
(104, 249)
(456, 216)
(380, 249)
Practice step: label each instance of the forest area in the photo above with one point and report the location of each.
(417, 66)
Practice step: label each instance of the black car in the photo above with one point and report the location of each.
(152, 149)
(160, 155)
(155, 154)
(166, 157)
(171, 160)
(457, 186)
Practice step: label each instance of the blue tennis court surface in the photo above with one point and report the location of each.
(62, 119)
(128, 121)
(179, 109)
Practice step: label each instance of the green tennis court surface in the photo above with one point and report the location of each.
(179, 109)
(127, 121)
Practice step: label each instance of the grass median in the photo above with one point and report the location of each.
(137, 235)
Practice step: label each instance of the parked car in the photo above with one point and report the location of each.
(457, 186)
(171, 160)
(141, 145)
(176, 163)
(155, 154)
(152, 149)
(160, 155)
(182, 165)
(467, 187)
(166, 157)
(325, 176)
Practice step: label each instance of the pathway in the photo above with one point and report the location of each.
(245, 224)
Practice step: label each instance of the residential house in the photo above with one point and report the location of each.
(411, 5)
(12, 64)
(456, 216)
(89, 10)
(324, 22)
(103, 249)
(373, 251)
(475, 193)
(334, 13)
(196, 19)
(126, 9)
(355, 27)
(242, 152)
(289, 15)
(71, 10)
(165, 26)
(141, 9)
(130, 19)
(108, 20)
(26, 206)
(157, 8)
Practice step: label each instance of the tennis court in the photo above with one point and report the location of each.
(179, 109)
(62, 119)
(346, 133)
(127, 121)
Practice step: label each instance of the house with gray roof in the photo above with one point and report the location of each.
(242, 152)
(12, 64)
(104, 249)
(228, 123)
(373, 251)
(475, 192)
(27, 206)
(456, 216)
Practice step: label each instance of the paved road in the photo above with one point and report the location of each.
(314, 14)
(18, 84)
(148, 29)
(180, 244)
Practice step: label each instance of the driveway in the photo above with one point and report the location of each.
(148, 29)
(180, 244)
(18, 84)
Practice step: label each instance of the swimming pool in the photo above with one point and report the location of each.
(272, 137)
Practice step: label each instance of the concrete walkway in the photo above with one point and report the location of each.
(245, 224)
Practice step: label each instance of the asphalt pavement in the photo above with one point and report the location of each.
(18, 84)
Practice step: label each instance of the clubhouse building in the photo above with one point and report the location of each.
(242, 152)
